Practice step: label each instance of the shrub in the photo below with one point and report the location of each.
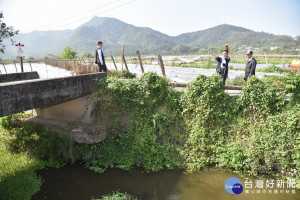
(117, 196)
(18, 180)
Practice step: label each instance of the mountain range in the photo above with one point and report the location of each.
(114, 33)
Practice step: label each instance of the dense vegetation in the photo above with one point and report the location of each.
(257, 132)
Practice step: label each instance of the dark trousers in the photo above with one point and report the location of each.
(102, 67)
(224, 76)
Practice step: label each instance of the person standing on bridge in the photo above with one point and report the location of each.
(251, 65)
(222, 66)
(100, 58)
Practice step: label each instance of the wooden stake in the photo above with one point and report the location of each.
(122, 53)
(124, 61)
(140, 60)
(161, 64)
(21, 62)
(114, 61)
(123, 58)
(226, 47)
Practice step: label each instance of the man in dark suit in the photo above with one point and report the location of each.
(251, 65)
(222, 66)
(100, 58)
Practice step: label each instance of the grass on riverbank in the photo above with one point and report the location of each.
(18, 179)
(23, 150)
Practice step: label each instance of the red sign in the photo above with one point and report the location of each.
(20, 45)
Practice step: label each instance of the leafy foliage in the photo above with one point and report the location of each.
(21, 137)
(121, 74)
(68, 53)
(117, 196)
(274, 69)
(259, 100)
(154, 128)
(207, 111)
(256, 132)
(5, 32)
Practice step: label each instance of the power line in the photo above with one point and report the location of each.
(94, 14)
(83, 13)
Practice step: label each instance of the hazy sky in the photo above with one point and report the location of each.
(172, 17)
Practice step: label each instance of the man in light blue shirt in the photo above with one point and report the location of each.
(100, 58)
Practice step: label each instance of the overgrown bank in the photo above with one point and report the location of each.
(256, 132)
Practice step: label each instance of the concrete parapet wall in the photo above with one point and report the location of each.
(18, 76)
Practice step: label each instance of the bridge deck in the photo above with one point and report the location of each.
(20, 96)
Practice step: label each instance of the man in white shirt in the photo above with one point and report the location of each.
(100, 58)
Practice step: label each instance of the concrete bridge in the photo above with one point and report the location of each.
(23, 94)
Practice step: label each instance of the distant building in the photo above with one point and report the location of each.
(273, 48)
(244, 48)
(51, 55)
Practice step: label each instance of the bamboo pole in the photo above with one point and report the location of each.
(161, 64)
(122, 53)
(112, 58)
(140, 60)
(21, 63)
(123, 59)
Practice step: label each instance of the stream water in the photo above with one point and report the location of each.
(78, 183)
